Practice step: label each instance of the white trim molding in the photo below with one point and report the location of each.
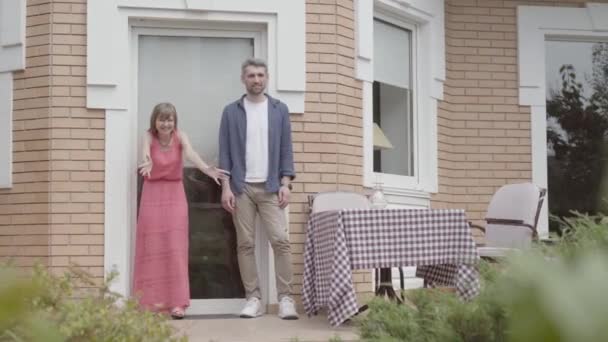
(113, 28)
(108, 42)
(12, 58)
(428, 44)
(534, 25)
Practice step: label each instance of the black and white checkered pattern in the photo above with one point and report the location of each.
(439, 241)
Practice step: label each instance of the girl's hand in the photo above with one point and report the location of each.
(216, 174)
(145, 167)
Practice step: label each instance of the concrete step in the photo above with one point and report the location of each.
(267, 328)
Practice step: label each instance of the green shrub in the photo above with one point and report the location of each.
(580, 234)
(554, 293)
(433, 315)
(44, 308)
(557, 300)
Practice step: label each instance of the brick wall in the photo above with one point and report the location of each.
(25, 208)
(54, 212)
(484, 135)
(328, 136)
(77, 157)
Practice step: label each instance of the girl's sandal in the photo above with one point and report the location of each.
(177, 313)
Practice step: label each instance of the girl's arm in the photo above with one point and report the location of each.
(146, 165)
(190, 154)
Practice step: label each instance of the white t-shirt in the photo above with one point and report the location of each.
(256, 156)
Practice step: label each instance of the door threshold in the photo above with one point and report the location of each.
(223, 316)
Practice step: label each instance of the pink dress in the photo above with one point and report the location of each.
(161, 246)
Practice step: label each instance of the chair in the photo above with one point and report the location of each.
(511, 219)
(336, 200)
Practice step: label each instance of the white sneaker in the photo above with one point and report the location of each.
(252, 309)
(287, 309)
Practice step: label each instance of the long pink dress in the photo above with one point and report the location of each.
(161, 247)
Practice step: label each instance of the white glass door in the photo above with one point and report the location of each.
(199, 75)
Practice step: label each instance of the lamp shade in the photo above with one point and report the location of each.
(380, 140)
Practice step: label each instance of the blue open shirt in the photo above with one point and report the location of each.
(233, 135)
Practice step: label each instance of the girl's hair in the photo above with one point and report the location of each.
(162, 111)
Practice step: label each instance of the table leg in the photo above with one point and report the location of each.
(385, 287)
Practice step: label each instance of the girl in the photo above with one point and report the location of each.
(161, 247)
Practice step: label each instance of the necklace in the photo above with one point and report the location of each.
(165, 145)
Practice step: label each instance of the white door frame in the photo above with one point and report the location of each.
(109, 85)
(157, 28)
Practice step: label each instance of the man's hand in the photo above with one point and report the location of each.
(284, 194)
(228, 200)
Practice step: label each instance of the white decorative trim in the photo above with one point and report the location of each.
(118, 235)
(535, 24)
(12, 58)
(427, 20)
(122, 140)
(427, 15)
(108, 42)
(6, 130)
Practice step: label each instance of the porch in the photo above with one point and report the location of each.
(268, 328)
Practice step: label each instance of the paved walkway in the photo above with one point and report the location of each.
(268, 328)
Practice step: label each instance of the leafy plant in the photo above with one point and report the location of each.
(548, 294)
(44, 308)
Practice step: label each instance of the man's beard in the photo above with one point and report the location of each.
(256, 91)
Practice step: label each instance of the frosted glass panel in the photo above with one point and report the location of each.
(198, 75)
(391, 54)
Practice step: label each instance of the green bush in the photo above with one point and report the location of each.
(554, 293)
(45, 308)
(580, 234)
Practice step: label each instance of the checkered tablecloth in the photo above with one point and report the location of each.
(438, 241)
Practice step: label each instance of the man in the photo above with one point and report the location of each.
(255, 146)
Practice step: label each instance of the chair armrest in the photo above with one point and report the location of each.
(473, 225)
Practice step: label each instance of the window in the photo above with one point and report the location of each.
(392, 100)
(549, 38)
(577, 126)
(12, 58)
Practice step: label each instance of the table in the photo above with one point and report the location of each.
(438, 241)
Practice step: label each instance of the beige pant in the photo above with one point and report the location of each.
(253, 201)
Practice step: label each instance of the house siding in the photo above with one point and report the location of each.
(328, 137)
(25, 208)
(55, 210)
(77, 157)
(484, 134)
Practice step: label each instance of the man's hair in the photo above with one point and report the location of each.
(256, 62)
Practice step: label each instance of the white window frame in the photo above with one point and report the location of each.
(390, 180)
(112, 85)
(536, 25)
(12, 58)
(425, 18)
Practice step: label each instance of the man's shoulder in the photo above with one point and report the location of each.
(232, 106)
(278, 104)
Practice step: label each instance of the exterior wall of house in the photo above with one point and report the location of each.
(54, 211)
(328, 136)
(77, 157)
(25, 209)
(484, 134)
